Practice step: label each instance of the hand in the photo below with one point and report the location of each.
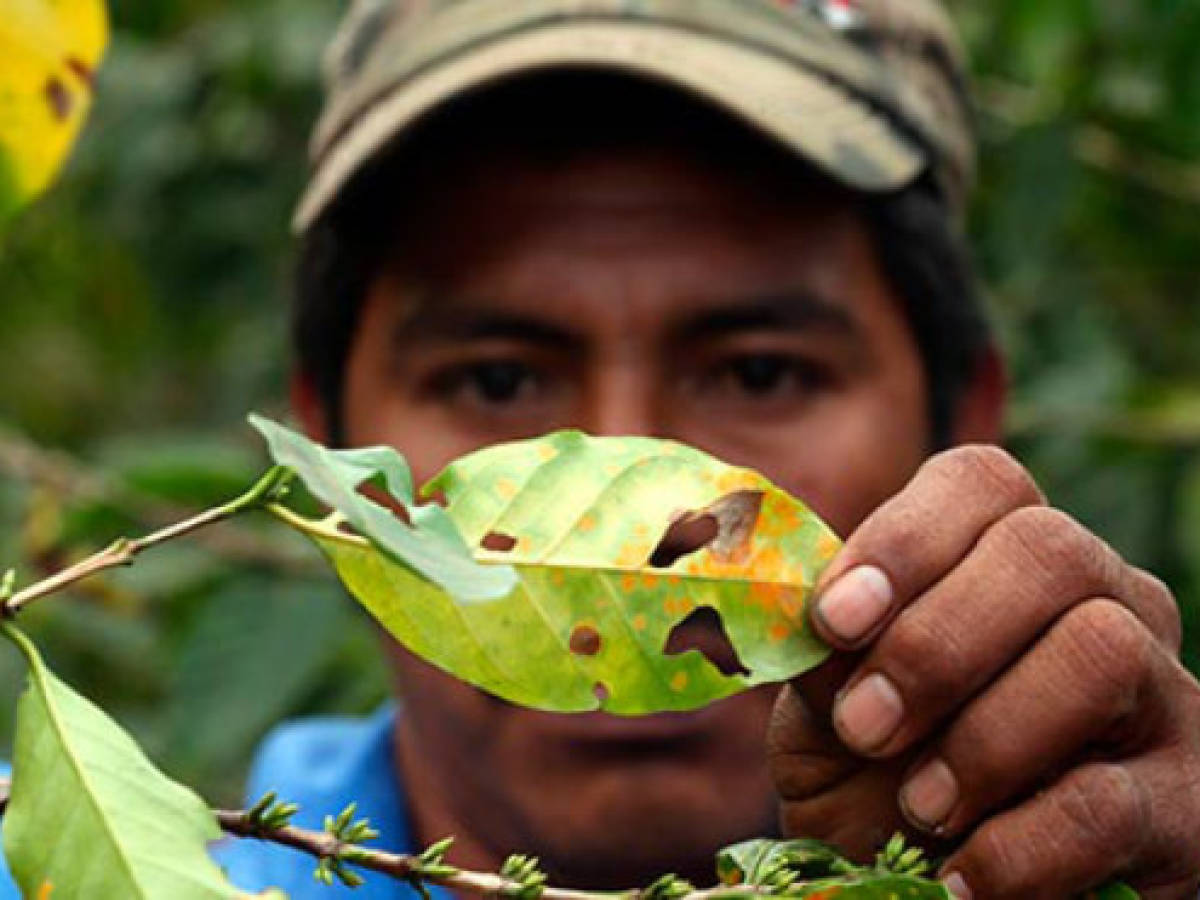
(1014, 696)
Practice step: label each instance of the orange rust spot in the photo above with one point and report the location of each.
(587, 523)
(649, 581)
(674, 580)
(546, 452)
(628, 583)
(506, 488)
(765, 594)
(679, 681)
(669, 606)
(790, 605)
(779, 632)
(557, 578)
(44, 891)
(524, 545)
(639, 622)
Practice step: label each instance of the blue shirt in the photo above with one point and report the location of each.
(322, 764)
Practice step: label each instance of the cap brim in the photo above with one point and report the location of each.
(838, 132)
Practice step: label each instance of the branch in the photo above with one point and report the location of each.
(123, 551)
(25, 461)
(323, 845)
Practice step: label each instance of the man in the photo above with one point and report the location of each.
(736, 223)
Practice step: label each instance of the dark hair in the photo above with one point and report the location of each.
(922, 252)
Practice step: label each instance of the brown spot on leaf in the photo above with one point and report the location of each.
(601, 692)
(59, 98)
(498, 543)
(585, 641)
(83, 70)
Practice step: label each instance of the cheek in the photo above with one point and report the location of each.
(866, 453)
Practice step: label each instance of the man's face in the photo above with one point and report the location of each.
(644, 292)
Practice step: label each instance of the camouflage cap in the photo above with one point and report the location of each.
(871, 91)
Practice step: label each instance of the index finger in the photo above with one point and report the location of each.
(915, 538)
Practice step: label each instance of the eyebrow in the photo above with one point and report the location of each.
(451, 322)
(786, 310)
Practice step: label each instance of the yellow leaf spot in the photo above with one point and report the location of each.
(547, 453)
(827, 547)
(790, 605)
(679, 681)
(639, 622)
(587, 523)
(506, 488)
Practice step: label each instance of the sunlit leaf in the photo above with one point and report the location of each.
(89, 815)
(50, 49)
(583, 521)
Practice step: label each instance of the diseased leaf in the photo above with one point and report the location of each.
(598, 593)
(89, 815)
(51, 49)
(431, 546)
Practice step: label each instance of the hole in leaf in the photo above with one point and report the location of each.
(497, 542)
(685, 536)
(379, 495)
(704, 631)
(600, 690)
(585, 641)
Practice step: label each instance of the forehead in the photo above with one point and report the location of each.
(635, 236)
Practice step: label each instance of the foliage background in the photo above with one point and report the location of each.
(143, 303)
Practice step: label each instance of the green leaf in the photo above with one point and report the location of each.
(431, 546)
(50, 50)
(1114, 891)
(89, 815)
(750, 862)
(874, 887)
(587, 623)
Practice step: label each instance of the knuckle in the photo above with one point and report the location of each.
(1161, 608)
(992, 466)
(923, 659)
(1111, 651)
(999, 862)
(1068, 556)
(1104, 811)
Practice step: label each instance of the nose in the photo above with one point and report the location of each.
(623, 398)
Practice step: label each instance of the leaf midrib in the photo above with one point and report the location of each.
(39, 672)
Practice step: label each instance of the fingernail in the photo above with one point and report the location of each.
(928, 797)
(855, 603)
(957, 886)
(869, 714)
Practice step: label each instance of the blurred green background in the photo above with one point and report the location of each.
(143, 303)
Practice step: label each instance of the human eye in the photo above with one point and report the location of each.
(488, 383)
(767, 377)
